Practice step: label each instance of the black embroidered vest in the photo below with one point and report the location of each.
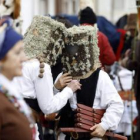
(84, 96)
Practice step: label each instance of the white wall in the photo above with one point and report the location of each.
(51, 7)
(26, 13)
(30, 8)
(114, 9)
(104, 8)
(111, 9)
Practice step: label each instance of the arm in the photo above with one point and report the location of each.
(111, 100)
(107, 98)
(48, 102)
(54, 88)
(128, 62)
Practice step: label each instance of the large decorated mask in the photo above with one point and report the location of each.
(81, 53)
(44, 39)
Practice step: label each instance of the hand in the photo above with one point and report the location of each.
(128, 52)
(98, 131)
(63, 81)
(50, 117)
(123, 62)
(74, 85)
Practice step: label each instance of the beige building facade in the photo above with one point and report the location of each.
(111, 9)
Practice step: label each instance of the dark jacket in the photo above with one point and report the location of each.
(107, 56)
(133, 63)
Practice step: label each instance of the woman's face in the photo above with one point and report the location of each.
(12, 63)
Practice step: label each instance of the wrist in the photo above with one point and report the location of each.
(57, 87)
(104, 126)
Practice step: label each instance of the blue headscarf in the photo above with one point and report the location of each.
(8, 38)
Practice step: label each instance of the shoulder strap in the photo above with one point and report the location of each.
(120, 83)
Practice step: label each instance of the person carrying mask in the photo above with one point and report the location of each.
(43, 45)
(81, 60)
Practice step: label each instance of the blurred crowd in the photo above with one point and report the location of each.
(38, 95)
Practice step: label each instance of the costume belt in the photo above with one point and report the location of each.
(85, 118)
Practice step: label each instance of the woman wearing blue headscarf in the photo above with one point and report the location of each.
(16, 122)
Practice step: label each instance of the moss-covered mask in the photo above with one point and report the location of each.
(44, 39)
(81, 53)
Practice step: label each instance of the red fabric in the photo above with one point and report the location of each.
(121, 44)
(135, 121)
(107, 56)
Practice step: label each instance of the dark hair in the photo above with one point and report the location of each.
(87, 16)
(63, 20)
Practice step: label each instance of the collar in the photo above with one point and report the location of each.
(9, 85)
